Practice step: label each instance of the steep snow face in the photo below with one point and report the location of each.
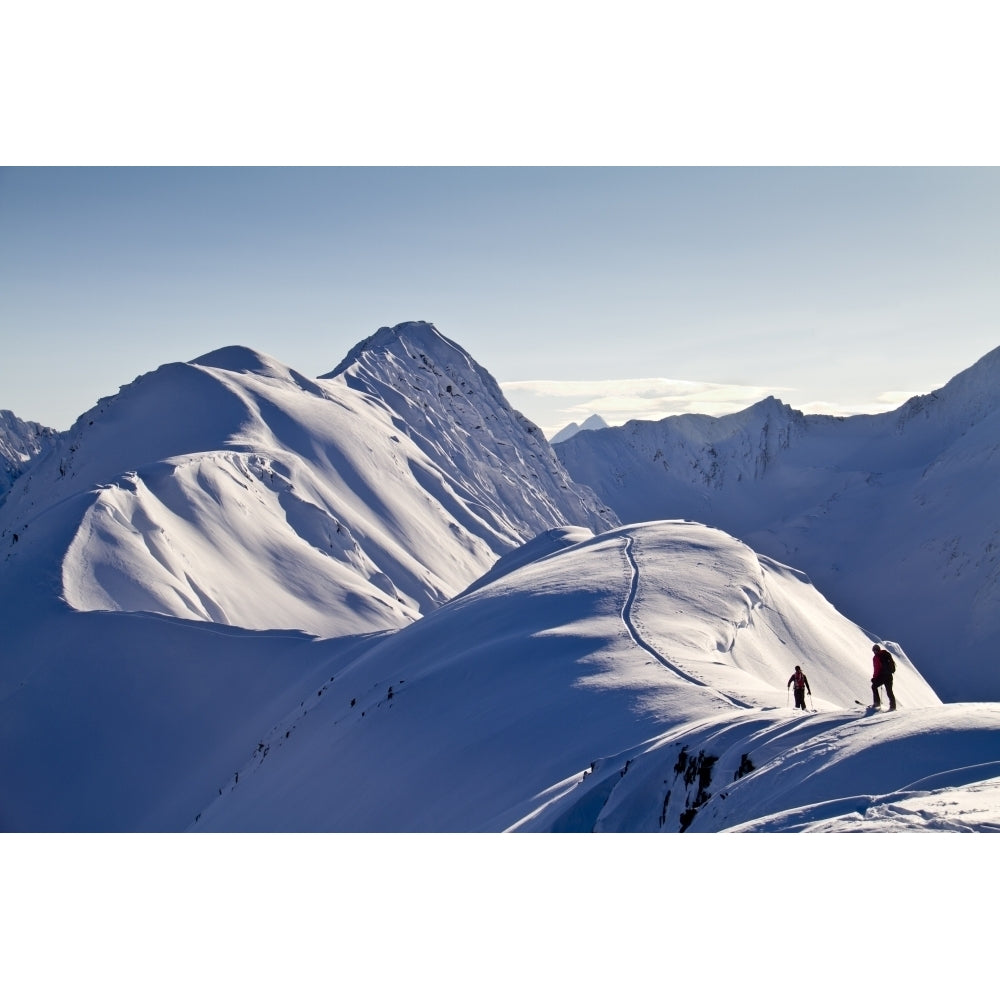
(545, 682)
(891, 515)
(20, 442)
(495, 461)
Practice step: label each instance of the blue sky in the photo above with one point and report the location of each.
(837, 289)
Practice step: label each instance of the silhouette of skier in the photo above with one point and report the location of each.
(801, 683)
(883, 667)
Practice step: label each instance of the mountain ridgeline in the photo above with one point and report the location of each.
(891, 515)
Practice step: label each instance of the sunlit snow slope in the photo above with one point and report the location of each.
(527, 701)
(235, 490)
(893, 516)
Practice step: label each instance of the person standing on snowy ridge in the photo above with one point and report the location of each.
(801, 683)
(883, 667)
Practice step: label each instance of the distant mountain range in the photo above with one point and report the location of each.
(240, 598)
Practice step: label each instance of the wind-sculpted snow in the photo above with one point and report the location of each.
(234, 489)
(892, 516)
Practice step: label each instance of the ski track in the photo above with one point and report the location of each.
(633, 631)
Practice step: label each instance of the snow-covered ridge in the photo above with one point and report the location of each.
(892, 515)
(570, 693)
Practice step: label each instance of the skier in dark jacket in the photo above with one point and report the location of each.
(882, 670)
(801, 683)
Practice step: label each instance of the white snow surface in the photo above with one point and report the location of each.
(191, 644)
(604, 672)
(893, 516)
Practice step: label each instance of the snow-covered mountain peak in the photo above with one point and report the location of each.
(455, 411)
(415, 339)
(771, 406)
(242, 360)
(979, 379)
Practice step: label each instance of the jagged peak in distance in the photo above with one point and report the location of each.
(594, 422)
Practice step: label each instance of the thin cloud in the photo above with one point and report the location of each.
(884, 402)
(554, 404)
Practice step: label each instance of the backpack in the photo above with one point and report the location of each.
(888, 663)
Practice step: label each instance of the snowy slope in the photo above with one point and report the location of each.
(20, 442)
(893, 516)
(560, 696)
(123, 722)
(148, 562)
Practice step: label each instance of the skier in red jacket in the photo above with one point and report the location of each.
(883, 667)
(801, 683)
